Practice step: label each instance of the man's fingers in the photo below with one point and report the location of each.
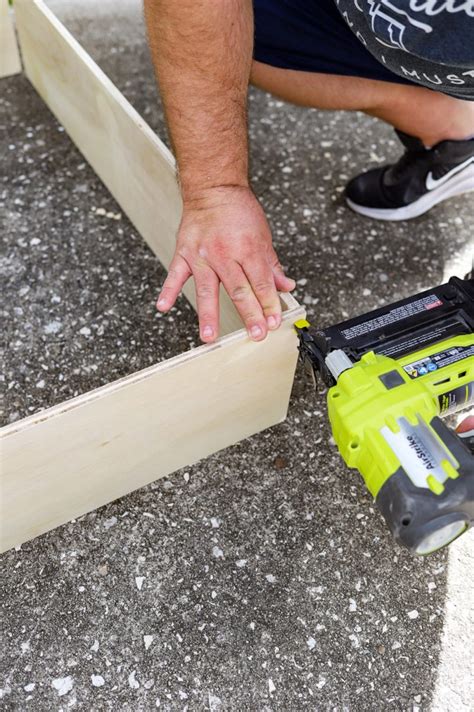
(466, 425)
(282, 282)
(207, 297)
(239, 290)
(178, 275)
(262, 281)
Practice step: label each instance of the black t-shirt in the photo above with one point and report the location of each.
(430, 42)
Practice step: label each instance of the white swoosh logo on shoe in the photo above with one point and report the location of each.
(435, 182)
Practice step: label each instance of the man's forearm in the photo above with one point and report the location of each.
(202, 52)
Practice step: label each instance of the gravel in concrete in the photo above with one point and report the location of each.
(262, 578)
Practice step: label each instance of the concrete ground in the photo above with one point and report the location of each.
(261, 578)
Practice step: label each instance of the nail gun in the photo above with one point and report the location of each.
(391, 374)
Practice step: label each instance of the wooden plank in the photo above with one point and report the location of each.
(137, 168)
(88, 451)
(9, 55)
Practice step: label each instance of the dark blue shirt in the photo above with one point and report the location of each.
(430, 42)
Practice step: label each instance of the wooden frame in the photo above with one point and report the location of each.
(87, 451)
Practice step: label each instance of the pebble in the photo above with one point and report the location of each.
(148, 640)
(134, 684)
(53, 327)
(63, 685)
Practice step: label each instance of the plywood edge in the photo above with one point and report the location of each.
(289, 302)
(230, 340)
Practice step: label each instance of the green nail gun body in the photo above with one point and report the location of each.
(391, 373)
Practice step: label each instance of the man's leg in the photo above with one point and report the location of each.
(436, 130)
(429, 115)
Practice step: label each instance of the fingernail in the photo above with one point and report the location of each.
(207, 331)
(255, 332)
(292, 282)
(161, 303)
(272, 322)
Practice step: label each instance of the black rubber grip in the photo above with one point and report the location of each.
(412, 512)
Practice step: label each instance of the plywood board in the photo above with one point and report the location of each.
(88, 451)
(9, 56)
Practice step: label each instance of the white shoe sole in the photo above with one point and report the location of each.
(462, 182)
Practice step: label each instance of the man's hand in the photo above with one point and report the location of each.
(224, 237)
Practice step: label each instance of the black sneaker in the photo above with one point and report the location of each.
(422, 178)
